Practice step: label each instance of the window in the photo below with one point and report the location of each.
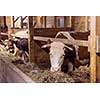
(19, 21)
(60, 21)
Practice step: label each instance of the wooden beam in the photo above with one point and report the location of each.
(21, 23)
(45, 21)
(86, 23)
(2, 20)
(31, 41)
(80, 23)
(38, 20)
(94, 58)
(66, 41)
(8, 22)
(65, 21)
(93, 49)
(49, 32)
(0, 24)
(73, 22)
(69, 21)
(13, 21)
(98, 56)
(55, 21)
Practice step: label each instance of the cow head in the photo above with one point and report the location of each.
(57, 53)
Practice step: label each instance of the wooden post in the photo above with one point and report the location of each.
(8, 22)
(21, 23)
(13, 21)
(80, 23)
(45, 21)
(98, 56)
(0, 24)
(94, 58)
(93, 49)
(73, 22)
(55, 21)
(86, 23)
(31, 41)
(69, 21)
(38, 20)
(2, 20)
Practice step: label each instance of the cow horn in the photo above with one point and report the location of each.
(45, 46)
(69, 47)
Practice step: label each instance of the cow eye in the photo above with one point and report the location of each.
(62, 55)
(50, 54)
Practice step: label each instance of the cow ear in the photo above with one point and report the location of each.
(49, 41)
(47, 45)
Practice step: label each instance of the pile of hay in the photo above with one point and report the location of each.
(49, 77)
(80, 75)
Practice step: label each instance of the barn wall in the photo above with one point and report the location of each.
(83, 27)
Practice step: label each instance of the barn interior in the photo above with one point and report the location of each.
(36, 68)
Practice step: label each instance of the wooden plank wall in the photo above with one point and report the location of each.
(49, 32)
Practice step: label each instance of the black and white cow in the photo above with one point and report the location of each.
(18, 43)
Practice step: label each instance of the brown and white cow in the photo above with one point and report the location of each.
(59, 51)
(57, 54)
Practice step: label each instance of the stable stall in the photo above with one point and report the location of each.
(42, 28)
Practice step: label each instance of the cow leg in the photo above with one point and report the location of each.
(24, 56)
(70, 67)
(15, 50)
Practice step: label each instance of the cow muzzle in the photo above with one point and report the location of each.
(55, 69)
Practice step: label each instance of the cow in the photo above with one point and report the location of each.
(18, 45)
(19, 42)
(59, 51)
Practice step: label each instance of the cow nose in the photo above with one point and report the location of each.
(54, 69)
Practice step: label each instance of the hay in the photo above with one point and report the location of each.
(42, 74)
